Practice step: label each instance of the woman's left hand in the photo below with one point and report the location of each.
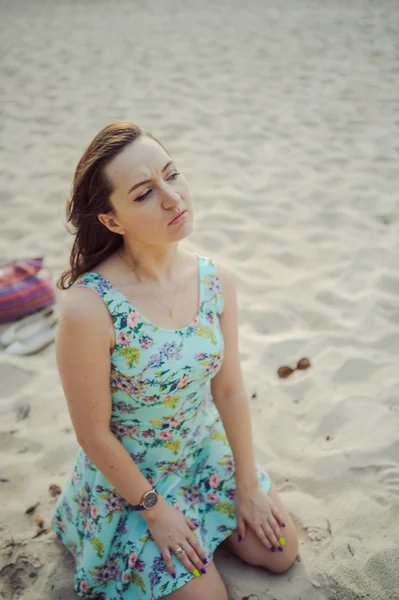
(255, 509)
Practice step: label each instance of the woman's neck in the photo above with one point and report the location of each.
(156, 264)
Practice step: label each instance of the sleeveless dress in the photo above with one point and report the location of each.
(164, 415)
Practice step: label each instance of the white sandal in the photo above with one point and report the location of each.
(35, 337)
(27, 326)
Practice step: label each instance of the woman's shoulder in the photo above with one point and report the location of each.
(84, 323)
(84, 316)
(81, 304)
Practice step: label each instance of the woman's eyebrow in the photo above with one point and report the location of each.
(136, 185)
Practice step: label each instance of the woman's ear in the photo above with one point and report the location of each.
(110, 222)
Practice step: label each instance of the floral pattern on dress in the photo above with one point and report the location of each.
(164, 415)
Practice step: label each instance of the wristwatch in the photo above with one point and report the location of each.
(149, 500)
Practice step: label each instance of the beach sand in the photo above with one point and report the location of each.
(284, 116)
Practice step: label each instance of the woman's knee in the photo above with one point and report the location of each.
(209, 586)
(285, 559)
(253, 552)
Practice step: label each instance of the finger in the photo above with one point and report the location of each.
(191, 524)
(199, 550)
(241, 529)
(168, 562)
(277, 515)
(271, 536)
(263, 538)
(192, 555)
(276, 527)
(185, 560)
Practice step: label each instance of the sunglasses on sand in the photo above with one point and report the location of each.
(302, 365)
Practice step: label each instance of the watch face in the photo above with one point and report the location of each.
(150, 499)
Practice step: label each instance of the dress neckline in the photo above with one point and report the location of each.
(144, 319)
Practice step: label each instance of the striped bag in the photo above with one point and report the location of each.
(24, 289)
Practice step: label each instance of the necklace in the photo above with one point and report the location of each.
(170, 308)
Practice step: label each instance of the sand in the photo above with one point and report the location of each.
(284, 116)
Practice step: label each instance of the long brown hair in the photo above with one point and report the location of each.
(90, 197)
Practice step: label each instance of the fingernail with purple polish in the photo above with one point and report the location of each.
(205, 561)
(284, 525)
(203, 571)
(272, 549)
(174, 575)
(280, 548)
(239, 537)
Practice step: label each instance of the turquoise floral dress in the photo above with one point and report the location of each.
(164, 415)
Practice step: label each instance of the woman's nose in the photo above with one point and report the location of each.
(170, 198)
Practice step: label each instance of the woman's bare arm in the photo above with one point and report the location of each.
(229, 392)
(84, 338)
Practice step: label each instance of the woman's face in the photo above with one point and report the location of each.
(149, 193)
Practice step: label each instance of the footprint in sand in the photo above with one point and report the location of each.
(18, 575)
(354, 370)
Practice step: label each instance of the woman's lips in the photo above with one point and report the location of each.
(180, 218)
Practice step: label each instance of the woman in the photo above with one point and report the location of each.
(148, 356)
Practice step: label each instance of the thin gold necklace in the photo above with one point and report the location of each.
(170, 308)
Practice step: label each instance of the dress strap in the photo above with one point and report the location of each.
(211, 287)
(101, 286)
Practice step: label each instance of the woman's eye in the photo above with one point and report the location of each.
(144, 196)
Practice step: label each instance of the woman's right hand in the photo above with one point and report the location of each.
(172, 530)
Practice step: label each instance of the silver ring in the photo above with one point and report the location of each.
(179, 551)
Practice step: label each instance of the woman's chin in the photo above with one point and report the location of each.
(183, 231)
